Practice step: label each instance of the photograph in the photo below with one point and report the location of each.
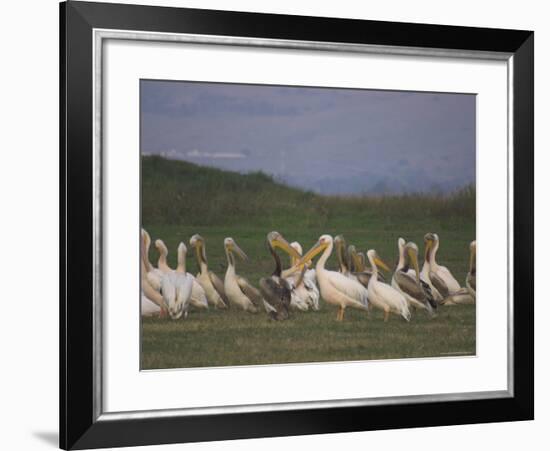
(297, 224)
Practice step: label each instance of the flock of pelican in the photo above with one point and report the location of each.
(168, 292)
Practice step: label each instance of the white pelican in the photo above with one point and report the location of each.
(152, 303)
(358, 269)
(440, 276)
(198, 295)
(152, 274)
(238, 289)
(466, 295)
(176, 287)
(276, 290)
(336, 288)
(304, 293)
(148, 307)
(471, 277)
(383, 296)
(210, 282)
(426, 269)
(417, 294)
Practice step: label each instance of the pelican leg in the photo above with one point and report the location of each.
(340, 314)
(386, 315)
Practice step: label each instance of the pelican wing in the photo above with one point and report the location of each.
(198, 295)
(471, 281)
(250, 291)
(439, 284)
(351, 288)
(277, 294)
(419, 291)
(444, 274)
(462, 296)
(408, 285)
(218, 285)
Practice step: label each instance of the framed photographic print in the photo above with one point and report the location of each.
(273, 225)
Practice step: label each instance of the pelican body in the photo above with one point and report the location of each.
(211, 284)
(466, 295)
(417, 293)
(358, 269)
(440, 276)
(384, 296)
(303, 281)
(335, 287)
(276, 290)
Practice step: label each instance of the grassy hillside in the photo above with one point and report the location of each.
(180, 199)
(177, 192)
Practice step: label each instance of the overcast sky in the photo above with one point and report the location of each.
(332, 141)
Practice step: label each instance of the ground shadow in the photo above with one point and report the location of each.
(49, 437)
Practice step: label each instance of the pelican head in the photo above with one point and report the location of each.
(323, 243)
(161, 247)
(354, 260)
(276, 240)
(401, 243)
(411, 253)
(375, 260)
(197, 243)
(362, 260)
(145, 237)
(298, 248)
(232, 247)
(429, 240)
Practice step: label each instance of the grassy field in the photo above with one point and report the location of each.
(180, 199)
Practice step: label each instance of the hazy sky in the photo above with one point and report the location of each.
(333, 141)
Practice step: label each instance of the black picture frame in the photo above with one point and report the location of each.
(78, 426)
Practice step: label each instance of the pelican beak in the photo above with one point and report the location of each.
(309, 255)
(235, 248)
(414, 260)
(278, 241)
(381, 263)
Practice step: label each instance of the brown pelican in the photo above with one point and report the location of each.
(384, 296)
(336, 288)
(237, 289)
(417, 293)
(276, 290)
(210, 282)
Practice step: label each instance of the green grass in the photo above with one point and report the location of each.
(216, 338)
(180, 199)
